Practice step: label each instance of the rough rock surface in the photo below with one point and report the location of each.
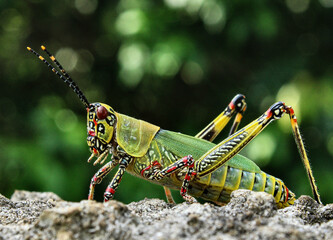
(249, 215)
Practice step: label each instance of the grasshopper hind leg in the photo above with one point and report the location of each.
(236, 106)
(224, 151)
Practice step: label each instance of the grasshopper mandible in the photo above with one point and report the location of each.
(194, 165)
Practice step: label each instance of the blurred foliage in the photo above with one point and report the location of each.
(174, 63)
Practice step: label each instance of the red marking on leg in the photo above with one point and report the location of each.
(183, 191)
(187, 177)
(231, 105)
(156, 163)
(268, 113)
(187, 160)
(171, 169)
(191, 166)
(145, 169)
(291, 111)
(287, 194)
(95, 151)
(110, 190)
(94, 179)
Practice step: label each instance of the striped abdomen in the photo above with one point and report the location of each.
(218, 185)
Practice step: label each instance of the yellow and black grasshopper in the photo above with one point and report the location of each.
(194, 165)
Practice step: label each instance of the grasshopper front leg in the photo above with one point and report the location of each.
(98, 177)
(123, 160)
(111, 189)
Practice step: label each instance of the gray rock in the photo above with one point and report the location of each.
(20, 195)
(249, 215)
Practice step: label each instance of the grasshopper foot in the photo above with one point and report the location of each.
(189, 199)
(108, 195)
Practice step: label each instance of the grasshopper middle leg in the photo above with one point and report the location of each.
(188, 162)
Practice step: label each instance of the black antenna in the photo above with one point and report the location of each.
(63, 75)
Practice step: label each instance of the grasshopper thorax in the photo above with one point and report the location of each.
(101, 120)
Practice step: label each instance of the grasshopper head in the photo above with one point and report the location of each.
(101, 120)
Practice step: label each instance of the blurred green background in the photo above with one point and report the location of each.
(174, 63)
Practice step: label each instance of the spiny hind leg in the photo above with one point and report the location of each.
(236, 106)
(224, 151)
(300, 145)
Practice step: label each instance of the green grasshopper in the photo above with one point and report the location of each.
(194, 165)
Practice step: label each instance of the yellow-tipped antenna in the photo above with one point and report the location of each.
(62, 74)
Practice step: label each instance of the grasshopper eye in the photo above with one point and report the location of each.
(101, 113)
